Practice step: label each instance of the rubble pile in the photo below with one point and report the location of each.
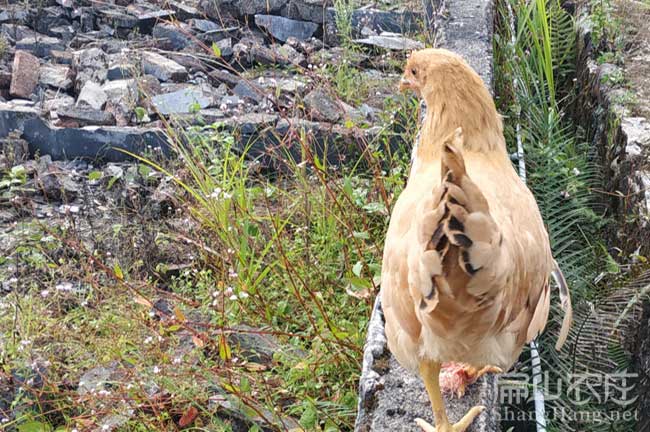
(79, 77)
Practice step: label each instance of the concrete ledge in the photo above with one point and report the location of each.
(390, 398)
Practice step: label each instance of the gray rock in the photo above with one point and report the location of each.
(90, 65)
(24, 78)
(56, 100)
(182, 101)
(219, 76)
(637, 130)
(96, 379)
(5, 79)
(281, 85)
(373, 20)
(16, 32)
(147, 20)
(254, 344)
(65, 33)
(250, 124)
(292, 55)
(321, 106)
(253, 52)
(219, 9)
(52, 18)
(57, 76)
(225, 47)
(248, 91)
(230, 102)
(114, 18)
(92, 95)
(211, 36)
(57, 184)
(13, 15)
(204, 25)
(40, 46)
(119, 71)
(122, 92)
(163, 68)
(173, 37)
(283, 28)
(68, 143)
(391, 41)
(61, 57)
(183, 11)
(84, 116)
(308, 10)
(13, 150)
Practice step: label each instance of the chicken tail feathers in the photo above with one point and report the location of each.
(565, 299)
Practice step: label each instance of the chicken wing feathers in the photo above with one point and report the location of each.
(463, 254)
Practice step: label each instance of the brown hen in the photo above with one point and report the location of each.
(466, 265)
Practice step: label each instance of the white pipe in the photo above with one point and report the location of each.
(540, 410)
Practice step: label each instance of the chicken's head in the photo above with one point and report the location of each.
(428, 68)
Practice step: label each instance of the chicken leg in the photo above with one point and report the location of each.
(456, 377)
(430, 373)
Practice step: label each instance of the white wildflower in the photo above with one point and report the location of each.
(65, 286)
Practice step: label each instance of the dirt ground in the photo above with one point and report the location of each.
(635, 16)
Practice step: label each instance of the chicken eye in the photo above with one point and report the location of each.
(414, 72)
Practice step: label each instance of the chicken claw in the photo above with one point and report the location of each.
(456, 377)
(461, 426)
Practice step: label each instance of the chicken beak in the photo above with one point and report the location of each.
(406, 84)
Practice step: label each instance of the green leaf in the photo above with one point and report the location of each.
(363, 235)
(309, 417)
(112, 181)
(244, 385)
(195, 108)
(34, 426)
(216, 50)
(356, 269)
(224, 348)
(144, 170)
(375, 207)
(118, 271)
(94, 175)
(359, 283)
(140, 113)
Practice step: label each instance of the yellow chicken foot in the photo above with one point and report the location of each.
(456, 377)
(430, 373)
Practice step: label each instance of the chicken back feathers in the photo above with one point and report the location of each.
(467, 261)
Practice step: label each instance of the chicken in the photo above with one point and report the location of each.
(466, 266)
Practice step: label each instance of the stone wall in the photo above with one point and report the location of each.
(621, 144)
(390, 398)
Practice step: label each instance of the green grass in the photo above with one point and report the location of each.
(296, 255)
